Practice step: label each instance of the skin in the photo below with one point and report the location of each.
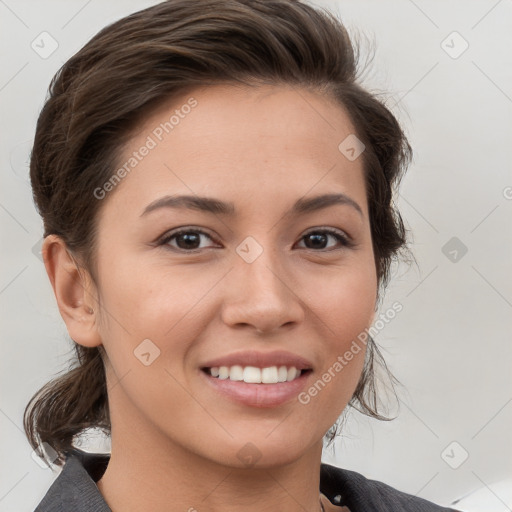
(174, 439)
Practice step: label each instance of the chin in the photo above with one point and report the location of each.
(263, 451)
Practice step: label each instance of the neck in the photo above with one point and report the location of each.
(166, 483)
(163, 476)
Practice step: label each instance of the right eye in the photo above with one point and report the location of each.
(187, 240)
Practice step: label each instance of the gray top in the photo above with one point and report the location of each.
(75, 489)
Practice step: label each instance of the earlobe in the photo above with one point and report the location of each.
(74, 291)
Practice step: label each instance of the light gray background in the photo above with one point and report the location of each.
(450, 346)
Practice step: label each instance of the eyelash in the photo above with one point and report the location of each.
(342, 238)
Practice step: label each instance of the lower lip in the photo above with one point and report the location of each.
(258, 395)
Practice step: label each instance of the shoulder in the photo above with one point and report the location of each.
(361, 494)
(75, 488)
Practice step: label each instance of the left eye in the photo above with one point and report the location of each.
(319, 237)
(189, 240)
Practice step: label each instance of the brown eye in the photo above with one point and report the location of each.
(187, 240)
(319, 238)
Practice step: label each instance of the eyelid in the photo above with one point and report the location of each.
(344, 239)
(166, 237)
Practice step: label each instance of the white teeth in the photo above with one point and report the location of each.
(282, 374)
(254, 375)
(223, 372)
(236, 373)
(269, 375)
(291, 373)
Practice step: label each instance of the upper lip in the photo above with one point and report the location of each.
(260, 360)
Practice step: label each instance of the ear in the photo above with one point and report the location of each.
(75, 292)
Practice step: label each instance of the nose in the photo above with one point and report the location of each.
(262, 295)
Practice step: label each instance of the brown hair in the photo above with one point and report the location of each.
(100, 94)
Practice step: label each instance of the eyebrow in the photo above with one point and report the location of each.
(218, 207)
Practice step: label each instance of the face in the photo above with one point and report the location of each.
(269, 274)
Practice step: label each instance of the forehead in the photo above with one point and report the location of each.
(240, 112)
(235, 139)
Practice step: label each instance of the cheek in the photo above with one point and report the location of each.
(344, 303)
(344, 306)
(165, 306)
(138, 294)
(344, 298)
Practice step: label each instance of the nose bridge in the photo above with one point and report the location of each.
(261, 268)
(262, 294)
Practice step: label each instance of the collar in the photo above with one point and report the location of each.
(75, 489)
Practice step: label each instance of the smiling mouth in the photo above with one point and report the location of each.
(255, 375)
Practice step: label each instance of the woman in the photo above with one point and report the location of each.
(216, 190)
